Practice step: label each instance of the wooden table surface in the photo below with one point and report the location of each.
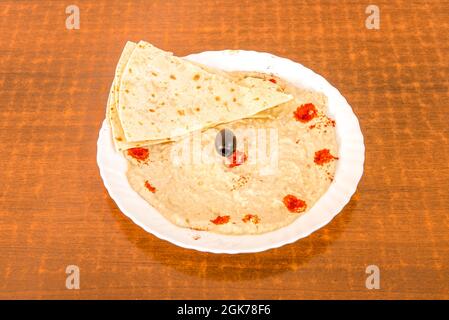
(55, 211)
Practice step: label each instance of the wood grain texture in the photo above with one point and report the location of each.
(54, 210)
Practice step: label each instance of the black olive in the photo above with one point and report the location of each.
(225, 143)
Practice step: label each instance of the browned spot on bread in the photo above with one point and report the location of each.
(198, 87)
(119, 139)
(154, 73)
(181, 112)
(197, 109)
(152, 110)
(217, 98)
(172, 77)
(196, 77)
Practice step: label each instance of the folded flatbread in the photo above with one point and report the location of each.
(113, 101)
(258, 88)
(161, 96)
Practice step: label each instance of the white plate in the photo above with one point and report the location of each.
(348, 173)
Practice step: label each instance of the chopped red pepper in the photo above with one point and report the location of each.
(140, 154)
(150, 187)
(221, 220)
(294, 204)
(323, 156)
(305, 112)
(237, 158)
(273, 80)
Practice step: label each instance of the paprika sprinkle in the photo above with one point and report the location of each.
(294, 204)
(140, 154)
(237, 158)
(253, 218)
(305, 112)
(149, 187)
(323, 156)
(221, 220)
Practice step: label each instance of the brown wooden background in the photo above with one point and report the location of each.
(54, 210)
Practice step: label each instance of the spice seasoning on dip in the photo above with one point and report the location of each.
(323, 123)
(149, 187)
(237, 158)
(140, 154)
(330, 122)
(294, 204)
(221, 220)
(323, 156)
(305, 112)
(250, 217)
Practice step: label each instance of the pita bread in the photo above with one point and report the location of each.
(162, 96)
(258, 86)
